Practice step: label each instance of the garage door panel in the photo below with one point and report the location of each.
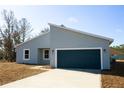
(89, 59)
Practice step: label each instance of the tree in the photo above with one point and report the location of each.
(16, 35)
(119, 48)
(6, 34)
(25, 28)
(12, 33)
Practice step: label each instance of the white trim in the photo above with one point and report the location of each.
(44, 54)
(82, 32)
(91, 48)
(101, 58)
(56, 58)
(24, 54)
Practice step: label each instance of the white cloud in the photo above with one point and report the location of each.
(73, 20)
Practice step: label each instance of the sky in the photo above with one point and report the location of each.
(103, 20)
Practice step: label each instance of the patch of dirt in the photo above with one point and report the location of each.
(10, 71)
(114, 78)
(45, 67)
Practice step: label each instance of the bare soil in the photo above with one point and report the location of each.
(114, 78)
(11, 71)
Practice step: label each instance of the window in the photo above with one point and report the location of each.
(46, 54)
(26, 54)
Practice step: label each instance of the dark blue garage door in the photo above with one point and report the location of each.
(86, 59)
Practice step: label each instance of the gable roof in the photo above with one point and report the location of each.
(82, 32)
(32, 39)
(70, 29)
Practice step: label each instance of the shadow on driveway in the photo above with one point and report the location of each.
(117, 69)
(94, 71)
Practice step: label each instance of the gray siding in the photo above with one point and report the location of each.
(61, 38)
(33, 45)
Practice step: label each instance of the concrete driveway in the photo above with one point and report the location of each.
(60, 78)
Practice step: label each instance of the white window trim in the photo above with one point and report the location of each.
(24, 54)
(91, 48)
(44, 54)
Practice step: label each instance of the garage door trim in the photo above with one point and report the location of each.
(93, 48)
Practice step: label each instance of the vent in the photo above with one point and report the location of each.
(62, 25)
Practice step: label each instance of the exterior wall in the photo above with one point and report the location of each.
(40, 57)
(34, 44)
(61, 38)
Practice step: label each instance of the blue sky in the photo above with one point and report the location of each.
(102, 20)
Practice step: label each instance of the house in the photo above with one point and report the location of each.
(64, 47)
(115, 52)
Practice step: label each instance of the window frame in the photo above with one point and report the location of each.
(25, 54)
(44, 54)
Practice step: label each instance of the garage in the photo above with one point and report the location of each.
(79, 58)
